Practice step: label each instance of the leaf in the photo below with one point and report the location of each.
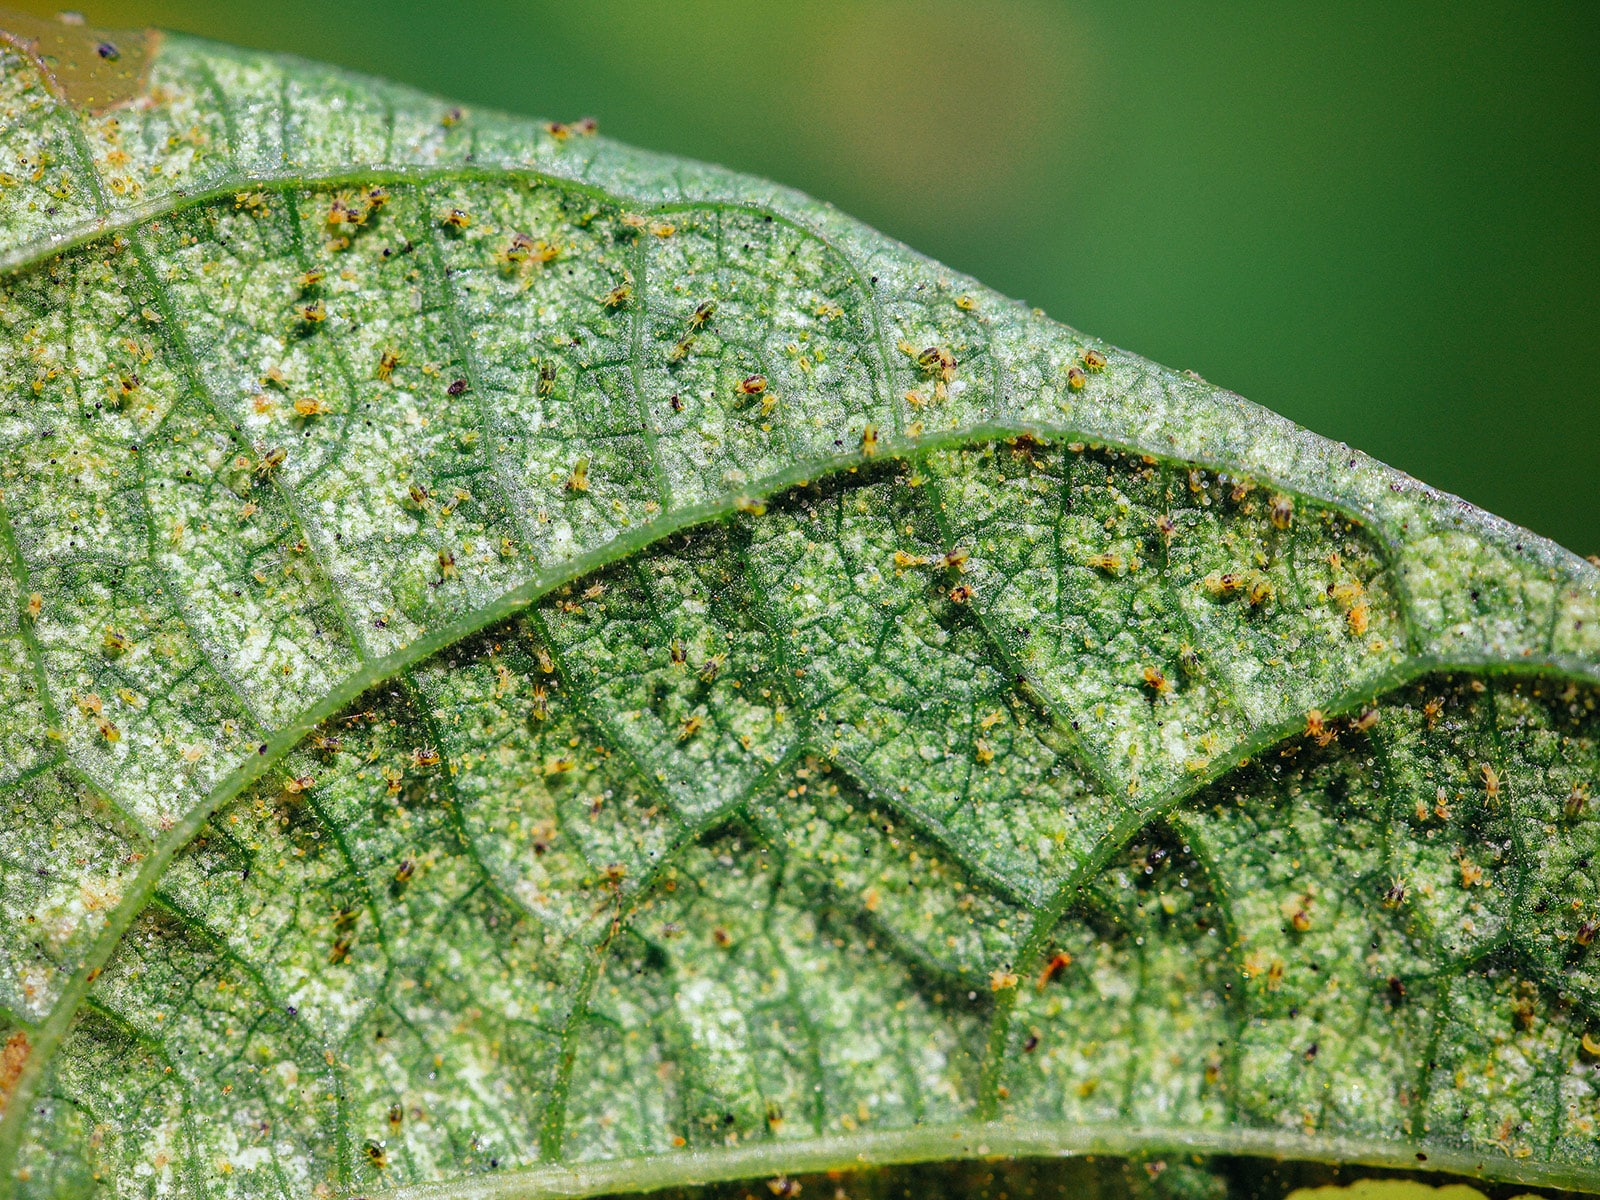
(534, 667)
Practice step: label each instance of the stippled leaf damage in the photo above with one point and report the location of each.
(533, 667)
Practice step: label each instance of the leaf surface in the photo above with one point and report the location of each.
(532, 667)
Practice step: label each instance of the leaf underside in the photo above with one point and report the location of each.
(532, 667)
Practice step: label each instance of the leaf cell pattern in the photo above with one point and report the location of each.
(520, 658)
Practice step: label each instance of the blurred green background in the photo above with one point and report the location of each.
(1382, 220)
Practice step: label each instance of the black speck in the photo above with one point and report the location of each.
(108, 51)
(457, 386)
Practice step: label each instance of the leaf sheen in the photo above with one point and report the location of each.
(529, 667)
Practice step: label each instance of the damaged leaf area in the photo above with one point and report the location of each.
(532, 668)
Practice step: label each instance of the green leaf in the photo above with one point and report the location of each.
(532, 667)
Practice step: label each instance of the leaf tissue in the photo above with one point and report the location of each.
(530, 667)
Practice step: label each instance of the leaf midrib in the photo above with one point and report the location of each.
(388, 667)
(865, 1149)
(375, 671)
